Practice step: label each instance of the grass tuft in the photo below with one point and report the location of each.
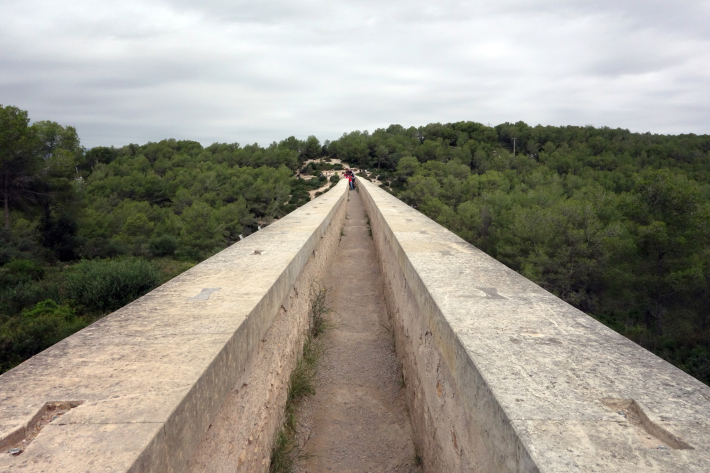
(318, 310)
(286, 451)
(283, 456)
(303, 376)
(418, 461)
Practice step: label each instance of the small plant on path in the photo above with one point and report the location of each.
(318, 310)
(418, 461)
(286, 450)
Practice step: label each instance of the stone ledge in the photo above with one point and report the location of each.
(526, 381)
(151, 376)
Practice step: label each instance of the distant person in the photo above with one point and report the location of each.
(350, 177)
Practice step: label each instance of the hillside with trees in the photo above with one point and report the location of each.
(87, 231)
(613, 222)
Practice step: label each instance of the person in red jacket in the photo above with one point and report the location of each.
(351, 178)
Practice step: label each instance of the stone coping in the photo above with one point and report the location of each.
(141, 386)
(576, 395)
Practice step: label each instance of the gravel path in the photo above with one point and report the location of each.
(357, 421)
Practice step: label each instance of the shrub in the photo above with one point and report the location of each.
(697, 363)
(164, 245)
(104, 286)
(170, 267)
(35, 330)
(15, 297)
(49, 308)
(103, 248)
(19, 271)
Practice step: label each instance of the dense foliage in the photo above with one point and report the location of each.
(615, 223)
(87, 231)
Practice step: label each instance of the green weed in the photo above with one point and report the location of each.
(390, 332)
(369, 227)
(107, 285)
(283, 455)
(318, 310)
(418, 461)
(286, 450)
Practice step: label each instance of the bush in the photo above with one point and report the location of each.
(19, 271)
(49, 308)
(299, 197)
(170, 267)
(105, 286)
(14, 298)
(164, 245)
(103, 248)
(697, 363)
(35, 330)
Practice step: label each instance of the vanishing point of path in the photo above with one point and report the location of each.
(357, 421)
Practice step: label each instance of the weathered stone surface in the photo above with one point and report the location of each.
(503, 376)
(240, 436)
(153, 374)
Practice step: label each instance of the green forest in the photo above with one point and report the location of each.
(87, 231)
(615, 223)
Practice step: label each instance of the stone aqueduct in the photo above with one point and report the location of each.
(501, 376)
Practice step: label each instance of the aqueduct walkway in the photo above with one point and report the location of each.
(499, 375)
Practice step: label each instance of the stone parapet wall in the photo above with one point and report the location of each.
(141, 387)
(502, 376)
(240, 436)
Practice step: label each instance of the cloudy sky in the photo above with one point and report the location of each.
(259, 71)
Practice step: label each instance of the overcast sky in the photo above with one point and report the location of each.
(215, 70)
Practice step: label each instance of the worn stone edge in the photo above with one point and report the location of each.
(172, 445)
(465, 373)
(229, 361)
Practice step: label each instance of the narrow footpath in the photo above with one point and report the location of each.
(357, 421)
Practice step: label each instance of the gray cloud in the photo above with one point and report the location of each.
(136, 70)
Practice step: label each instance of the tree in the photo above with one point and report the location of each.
(20, 162)
(56, 141)
(382, 154)
(670, 231)
(35, 161)
(311, 149)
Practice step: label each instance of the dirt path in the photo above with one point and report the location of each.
(357, 420)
